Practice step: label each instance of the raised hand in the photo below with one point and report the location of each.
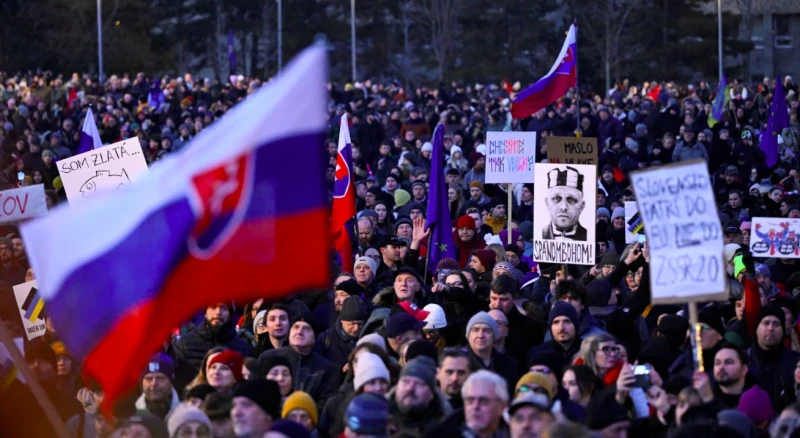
(419, 233)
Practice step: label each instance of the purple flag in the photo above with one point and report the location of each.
(778, 119)
(442, 245)
(90, 137)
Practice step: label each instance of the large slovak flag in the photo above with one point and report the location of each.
(344, 198)
(561, 77)
(90, 136)
(438, 213)
(226, 219)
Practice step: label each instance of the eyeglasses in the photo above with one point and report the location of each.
(609, 350)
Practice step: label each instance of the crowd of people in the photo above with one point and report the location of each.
(489, 344)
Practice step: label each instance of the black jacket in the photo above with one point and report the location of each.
(190, 349)
(312, 373)
(523, 334)
(554, 347)
(502, 365)
(335, 345)
(774, 370)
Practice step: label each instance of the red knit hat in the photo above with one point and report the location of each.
(465, 221)
(487, 257)
(231, 359)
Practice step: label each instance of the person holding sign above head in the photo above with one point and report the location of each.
(565, 204)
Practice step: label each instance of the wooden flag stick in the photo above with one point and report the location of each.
(508, 215)
(33, 383)
(697, 348)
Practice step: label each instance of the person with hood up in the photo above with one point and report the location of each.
(336, 343)
(312, 373)
(216, 330)
(467, 239)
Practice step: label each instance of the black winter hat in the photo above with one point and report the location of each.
(269, 362)
(353, 309)
(265, 393)
(38, 348)
(351, 287)
(599, 292)
(304, 316)
(422, 347)
(771, 310)
(711, 316)
(787, 303)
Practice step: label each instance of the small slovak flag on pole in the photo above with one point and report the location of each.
(561, 77)
(344, 197)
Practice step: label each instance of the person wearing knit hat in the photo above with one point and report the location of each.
(618, 218)
(482, 318)
(730, 251)
(224, 369)
(563, 327)
(367, 415)
(401, 198)
(770, 358)
(421, 368)
(158, 394)
(422, 348)
(287, 429)
(483, 260)
(336, 343)
(609, 262)
(712, 318)
(403, 227)
(746, 228)
(196, 395)
(256, 405)
(737, 420)
(537, 383)
(300, 408)
(145, 424)
(42, 359)
(374, 339)
(446, 265)
(370, 374)
(756, 405)
(278, 369)
(187, 420)
(345, 289)
(364, 270)
(603, 214)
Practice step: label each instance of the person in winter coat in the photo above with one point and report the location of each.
(573, 293)
(415, 404)
(467, 239)
(523, 331)
(312, 373)
(609, 130)
(481, 332)
(771, 363)
(711, 340)
(731, 375)
(336, 343)
(689, 148)
(216, 330)
(483, 261)
(563, 324)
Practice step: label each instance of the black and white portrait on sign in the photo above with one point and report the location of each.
(564, 211)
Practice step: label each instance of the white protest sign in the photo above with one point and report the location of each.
(633, 222)
(564, 207)
(684, 234)
(101, 171)
(510, 157)
(775, 237)
(30, 304)
(22, 203)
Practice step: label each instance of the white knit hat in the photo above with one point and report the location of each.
(369, 262)
(374, 339)
(436, 318)
(259, 316)
(369, 366)
(184, 413)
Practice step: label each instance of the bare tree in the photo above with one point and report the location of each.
(439, 19)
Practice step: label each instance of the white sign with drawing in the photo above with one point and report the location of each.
(104, 170)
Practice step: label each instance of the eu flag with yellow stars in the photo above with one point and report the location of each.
(778, 119)
(438, 217)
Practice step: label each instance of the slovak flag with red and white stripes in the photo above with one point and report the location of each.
(344, 198)
(561, 77)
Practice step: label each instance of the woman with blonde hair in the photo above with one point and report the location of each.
(600, 353)
(500, 251)
(455, 199)
(221, 368)
(200, 378)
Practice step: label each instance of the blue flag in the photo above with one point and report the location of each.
(231, 52)
(723, 97)
(778, 119)
(156, 97)
(442, 245)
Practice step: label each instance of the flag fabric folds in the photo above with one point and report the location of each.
(344, 198)
(720, 102)
(561, 77)
(438, 213)
(226, 219)
(90, 136)
(778, 119)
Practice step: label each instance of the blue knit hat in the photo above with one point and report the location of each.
(290, 428)
(160, 363)
(603, 211)
(563, 308)
(367, 414)
(618, 212)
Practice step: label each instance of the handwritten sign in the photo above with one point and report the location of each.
(30, 304)
(510, 157)
(775, 237)
(572, 150)
(684, 234)
(634, 226)
(564, 206)
(22, 203)
(101, 171)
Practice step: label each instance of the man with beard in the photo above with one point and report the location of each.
(216, 330)
(765, 284)
(366, 234)
(158, 395)
(454, 368)
(19, 252)
(414, 404)
(10, 270)
(344, 290)
(564, 323)
(731, 375)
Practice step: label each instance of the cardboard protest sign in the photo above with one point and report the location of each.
(92, 174)
(633, 222)
(775, 237)
(510, 157)
(572, 150)
(684, 235)
(22, 203)
(564, 214)
(30, 304)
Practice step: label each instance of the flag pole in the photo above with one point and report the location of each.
(32, 382)
(508, 215)
(577, 85)
(427, 259)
